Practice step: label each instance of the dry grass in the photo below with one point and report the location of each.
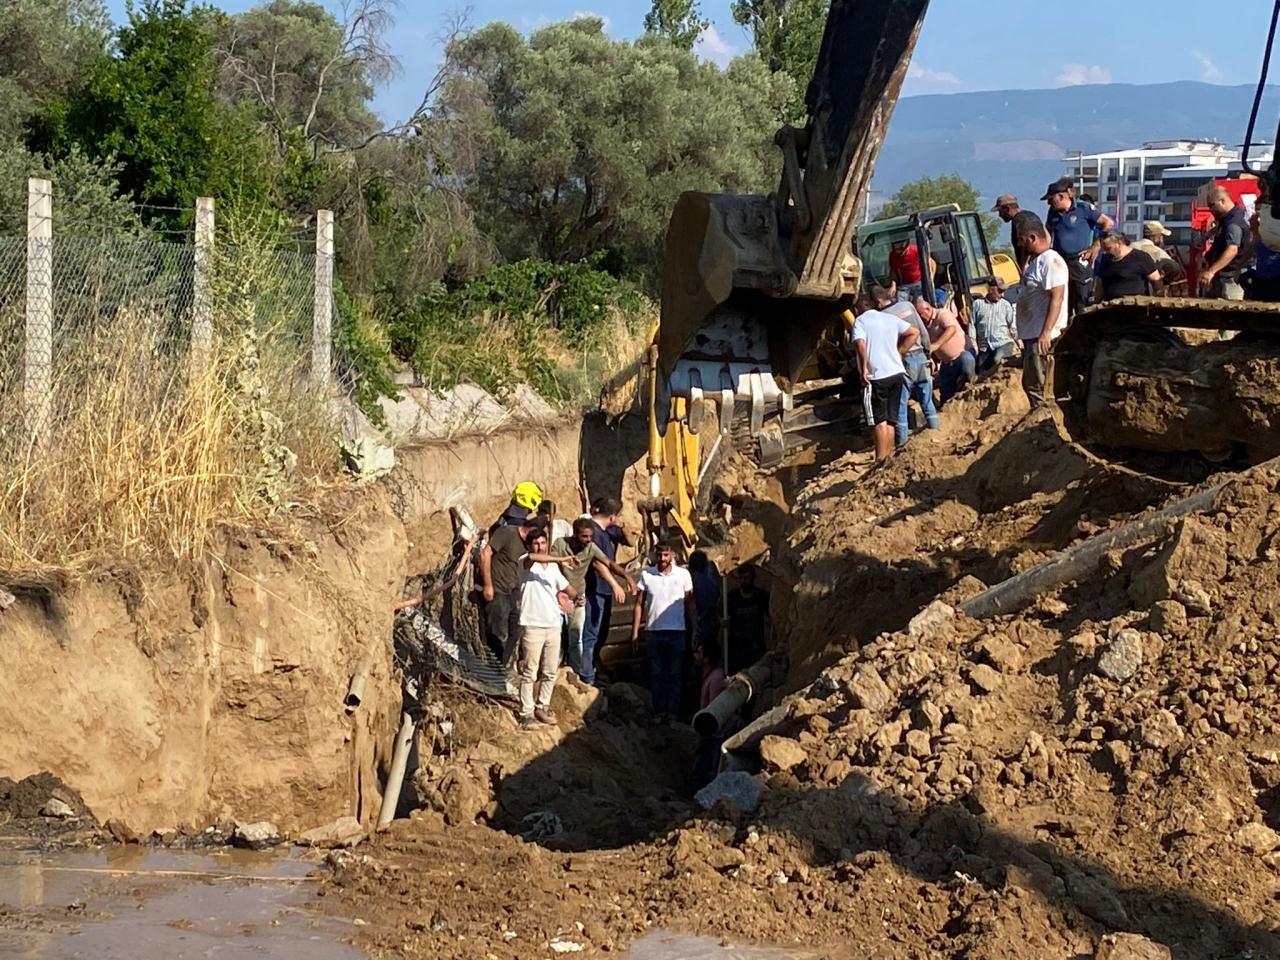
(148, 451)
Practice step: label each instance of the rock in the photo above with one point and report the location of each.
(918, 745)
(462, 798)
(57, 809)
(1130, 946)
(1002, 653)
(1083, 645)
(1196, 550)
(7, 599)
(365, 451)
(1096, 899)
(256, 835)
(1052, 607)
(868, 690)
(736, 787)
(1160, 730)
(343, 832)
(1257, 838)
(164, 835)
(726, 858)
(1122, 656)
(121, 832)
(1168, 617)
(930, 618)
(928, 716)
(984, 678)
(1194, 597)
(781, 753)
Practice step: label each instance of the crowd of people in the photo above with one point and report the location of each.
(547, 587)
(911, 348)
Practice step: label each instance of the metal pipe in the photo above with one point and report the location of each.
(770, 670)
(395, 778)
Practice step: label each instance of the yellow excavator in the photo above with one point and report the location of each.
(752, 285)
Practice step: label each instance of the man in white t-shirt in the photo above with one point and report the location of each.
(882, 340)
(541, 618)
(1042, 305)
(665, 605)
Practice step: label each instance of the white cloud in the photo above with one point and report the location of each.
(1209, 70)
(944, 77)
(711, 46)
(591, 14)
(1075, 74)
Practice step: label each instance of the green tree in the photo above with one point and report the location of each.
(304, 72)
(680, 21)
(151, 109)
(46, 50)
(936, 192)
(569, 142)
(787, 34)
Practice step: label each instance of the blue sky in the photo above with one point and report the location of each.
(965, 44)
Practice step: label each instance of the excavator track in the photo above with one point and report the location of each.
(1145, 375)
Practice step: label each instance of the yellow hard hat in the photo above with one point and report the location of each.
(527, 494)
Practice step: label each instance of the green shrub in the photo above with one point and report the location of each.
(524, 322)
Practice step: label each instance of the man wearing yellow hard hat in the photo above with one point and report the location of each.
(501, 569)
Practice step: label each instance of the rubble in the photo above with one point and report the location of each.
(257, 835)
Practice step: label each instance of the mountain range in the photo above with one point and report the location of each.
(1014, 140)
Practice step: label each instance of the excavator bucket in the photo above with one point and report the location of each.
(750, 282)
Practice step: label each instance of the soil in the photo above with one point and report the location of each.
(1095, 775)
(214, 692)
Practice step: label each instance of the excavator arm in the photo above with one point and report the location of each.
(750, 282)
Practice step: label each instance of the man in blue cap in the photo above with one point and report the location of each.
(1073, 227)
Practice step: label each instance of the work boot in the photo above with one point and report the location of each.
(531, 723)
(544, 715)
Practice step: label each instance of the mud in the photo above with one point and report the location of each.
(1095, 775)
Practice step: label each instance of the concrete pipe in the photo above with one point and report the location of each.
(769, 671)
(355, 690)
(395, 778)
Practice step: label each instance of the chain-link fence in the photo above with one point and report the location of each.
(65, 298)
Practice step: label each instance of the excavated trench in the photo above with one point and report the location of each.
(964, 788)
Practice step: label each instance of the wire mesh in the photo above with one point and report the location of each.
(140, 289)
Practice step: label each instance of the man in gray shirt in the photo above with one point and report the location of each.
(919, 381)
(995, 327)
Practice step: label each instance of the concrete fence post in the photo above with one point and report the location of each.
(38, 360)
(322, 332)
(202, 304)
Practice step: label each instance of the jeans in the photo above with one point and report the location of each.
(573, 638)
(666, 668)
(1036, 371)
(595, 631)
(500, 626)
(907, 292)
(917, 386)
(956, 373)
(990, 358)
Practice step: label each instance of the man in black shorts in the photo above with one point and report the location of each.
(882, 340)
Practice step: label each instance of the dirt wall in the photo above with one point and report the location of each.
(218, 692)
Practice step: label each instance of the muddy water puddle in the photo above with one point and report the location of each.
(665, 945)
(137, 903)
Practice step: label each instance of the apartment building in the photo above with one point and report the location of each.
(1157, 181)
(1129, 185)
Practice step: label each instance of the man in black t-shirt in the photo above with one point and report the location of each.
(1232, 249)
(1125, 271)
(748, 622)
